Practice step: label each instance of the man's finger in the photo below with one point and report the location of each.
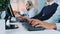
(38, 26)
(34, 24)
(30, 21)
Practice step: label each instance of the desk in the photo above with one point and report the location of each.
(22, 30)
(2, 26)
(34, 32)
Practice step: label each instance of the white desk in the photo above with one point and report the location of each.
(33, 32)
(2, 26)
(22, 30)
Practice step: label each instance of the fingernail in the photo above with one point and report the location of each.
(35, 26)
(32, 25)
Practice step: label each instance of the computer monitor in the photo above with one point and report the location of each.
(9, 12)
(9, 15)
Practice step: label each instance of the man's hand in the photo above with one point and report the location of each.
(20, 16)
(38, 23)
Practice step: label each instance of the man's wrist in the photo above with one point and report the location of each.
(54, 26)
(49, 26)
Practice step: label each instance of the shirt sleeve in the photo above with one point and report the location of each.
(58, 16)
(58, 26)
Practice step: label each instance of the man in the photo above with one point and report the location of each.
(31, 11)
(52, 23)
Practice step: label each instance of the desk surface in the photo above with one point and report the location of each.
(33, 32)
(2, 26)
(22, 30)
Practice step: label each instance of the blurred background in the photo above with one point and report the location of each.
(19, 4)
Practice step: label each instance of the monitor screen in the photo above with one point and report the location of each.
(11, 10)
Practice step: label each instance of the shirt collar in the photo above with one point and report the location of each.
(50, 3)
